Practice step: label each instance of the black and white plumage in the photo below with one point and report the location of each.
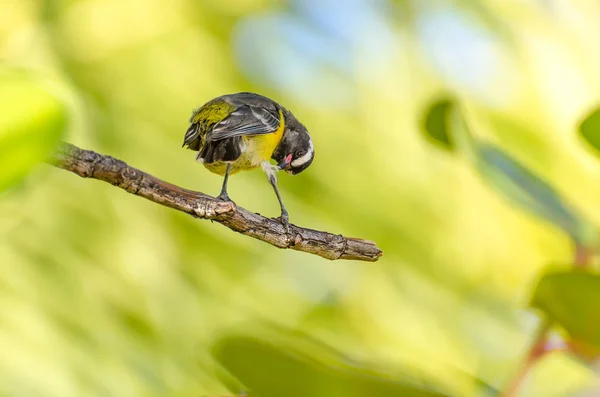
(242, 131)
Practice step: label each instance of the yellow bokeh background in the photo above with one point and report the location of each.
(104, 293)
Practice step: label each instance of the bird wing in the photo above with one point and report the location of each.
(230, 116)
(204, 119)
(246, 120)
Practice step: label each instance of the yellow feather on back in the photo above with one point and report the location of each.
(212, 113)
(259, 148)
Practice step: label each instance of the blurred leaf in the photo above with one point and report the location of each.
(446, 124)
(436, 125)
(533, 194)
(590, 129)
(572, 299)
(32, 122)
(525, 189)
(274, 371)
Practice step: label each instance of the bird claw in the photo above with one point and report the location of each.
(285, 221)
(223, 197)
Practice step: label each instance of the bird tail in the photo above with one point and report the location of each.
(193, 139)
(229, 149)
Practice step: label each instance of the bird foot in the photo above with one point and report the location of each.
(224, 197)
(284, 218)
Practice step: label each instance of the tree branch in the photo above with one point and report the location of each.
(88, 164)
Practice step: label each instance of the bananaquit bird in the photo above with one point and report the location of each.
(243, 131)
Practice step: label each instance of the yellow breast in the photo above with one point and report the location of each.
(259, 148)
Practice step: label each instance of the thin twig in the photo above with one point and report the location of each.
(582, 259)
(537, 350)
(583, 256)
(88, 164)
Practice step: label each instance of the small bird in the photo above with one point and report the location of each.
(245, 130)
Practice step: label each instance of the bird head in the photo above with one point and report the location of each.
(295, 151)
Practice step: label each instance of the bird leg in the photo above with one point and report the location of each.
(270, 170)
(223, 195)
(284, 217)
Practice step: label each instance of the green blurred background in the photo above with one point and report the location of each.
(106, 294)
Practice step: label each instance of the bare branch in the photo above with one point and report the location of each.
(88, 164)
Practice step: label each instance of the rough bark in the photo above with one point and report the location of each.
(88, 164)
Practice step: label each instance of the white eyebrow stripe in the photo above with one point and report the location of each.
(307, 156)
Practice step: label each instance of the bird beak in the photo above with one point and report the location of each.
(285, 163)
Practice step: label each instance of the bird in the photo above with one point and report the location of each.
(244, 131)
